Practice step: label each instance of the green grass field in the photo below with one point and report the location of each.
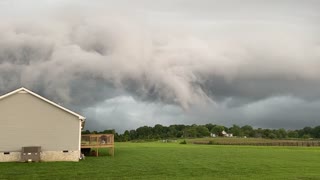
(179, 161)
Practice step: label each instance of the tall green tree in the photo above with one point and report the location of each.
(316, 132)
(217, 130)
(247, 131)
(236, 130)
(202, 131)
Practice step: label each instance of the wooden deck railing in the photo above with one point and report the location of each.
(98, 141)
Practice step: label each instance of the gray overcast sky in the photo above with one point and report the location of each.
(124, 64)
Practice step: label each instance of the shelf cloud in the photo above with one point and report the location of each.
(197, 61)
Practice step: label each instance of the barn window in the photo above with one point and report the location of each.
(6, 153)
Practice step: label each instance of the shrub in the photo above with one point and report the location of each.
(306, 136)
(183, 142)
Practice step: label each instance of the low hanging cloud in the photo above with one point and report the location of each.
(183, 55)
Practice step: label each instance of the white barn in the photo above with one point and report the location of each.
(28, 119)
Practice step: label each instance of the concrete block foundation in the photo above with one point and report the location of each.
(44, 156)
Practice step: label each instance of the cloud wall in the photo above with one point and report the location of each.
(188, 54)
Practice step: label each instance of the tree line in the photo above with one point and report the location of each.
(198, 131)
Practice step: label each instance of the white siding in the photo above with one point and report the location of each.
(26, 120)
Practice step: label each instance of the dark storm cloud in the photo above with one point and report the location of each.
(211, 55)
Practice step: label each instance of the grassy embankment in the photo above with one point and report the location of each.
(178, 161)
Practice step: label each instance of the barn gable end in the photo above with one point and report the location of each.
(27, 119)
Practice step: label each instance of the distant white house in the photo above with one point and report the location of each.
(225, 134)
(28, 119)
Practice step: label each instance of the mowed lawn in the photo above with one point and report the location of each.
(179, 161)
